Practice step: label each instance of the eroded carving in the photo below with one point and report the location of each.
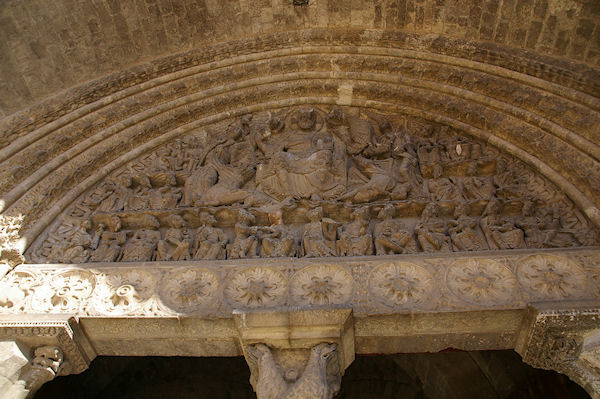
(333, 175)
(318, 380)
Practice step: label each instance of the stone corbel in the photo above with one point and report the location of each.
(296, 353)
(39, 348)
(565, 337)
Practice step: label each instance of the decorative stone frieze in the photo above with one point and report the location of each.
(564, 336)
(370, 285)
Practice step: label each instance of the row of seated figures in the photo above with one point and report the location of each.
(321, 236)
(313, 182)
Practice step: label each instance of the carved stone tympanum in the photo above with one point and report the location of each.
(312, 182)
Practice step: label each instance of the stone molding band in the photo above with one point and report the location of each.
(370, 285)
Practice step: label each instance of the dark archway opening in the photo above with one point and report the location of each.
(453, 374)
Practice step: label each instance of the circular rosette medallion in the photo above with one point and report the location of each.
(122, 292)
(67, 291)
(551, 277)
(15, 290)
(189, 290)
(321, 285)
(402, 285)
(256, 287)
(481, 282)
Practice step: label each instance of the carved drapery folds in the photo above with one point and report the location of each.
(314, 182)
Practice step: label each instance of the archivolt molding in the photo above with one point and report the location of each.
(370, 285)
(529, 116)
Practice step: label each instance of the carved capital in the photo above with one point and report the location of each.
(294, 373)
(564, 337)
(300, 353)
(47, 363)
(62, 348)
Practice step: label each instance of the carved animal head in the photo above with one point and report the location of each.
(324, 351)
(258, 351)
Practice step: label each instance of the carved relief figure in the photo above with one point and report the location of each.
(277, 240)
(70, 243)
(209, 241)
(431, 230)
(318, 238)
(141, 246)
(121, 194)
(302, 163)
(475, 187)
(391, 235)
(176, 242)
(377, 182)
(500, 232)
(532, 225)
(442, 188)
(355, 238)
(245, 243)
(107, 244)
(463, 231)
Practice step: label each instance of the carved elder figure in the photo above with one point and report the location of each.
(441, 188)
(500, 232)
(463, 231)
(245, 244)
(278, 240)
(391, 236)
(209, 241)
(108, 243)
(318, 238)
(141, 246)
(176, 242)
(431, 231)
(355, 239)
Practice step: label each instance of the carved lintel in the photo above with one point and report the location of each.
(297, 353)
(60, 331)
(565, 337)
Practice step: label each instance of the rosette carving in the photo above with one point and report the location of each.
(67, 291)
(551, 277)
(256, 287)
(122, 293)
(481, 281)
(401, 284)
(191, 290)
(321, 285)
(15, 290)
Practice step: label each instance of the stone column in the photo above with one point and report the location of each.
(297, 354)
(565, 337)
(20, 377)
(34, 350)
